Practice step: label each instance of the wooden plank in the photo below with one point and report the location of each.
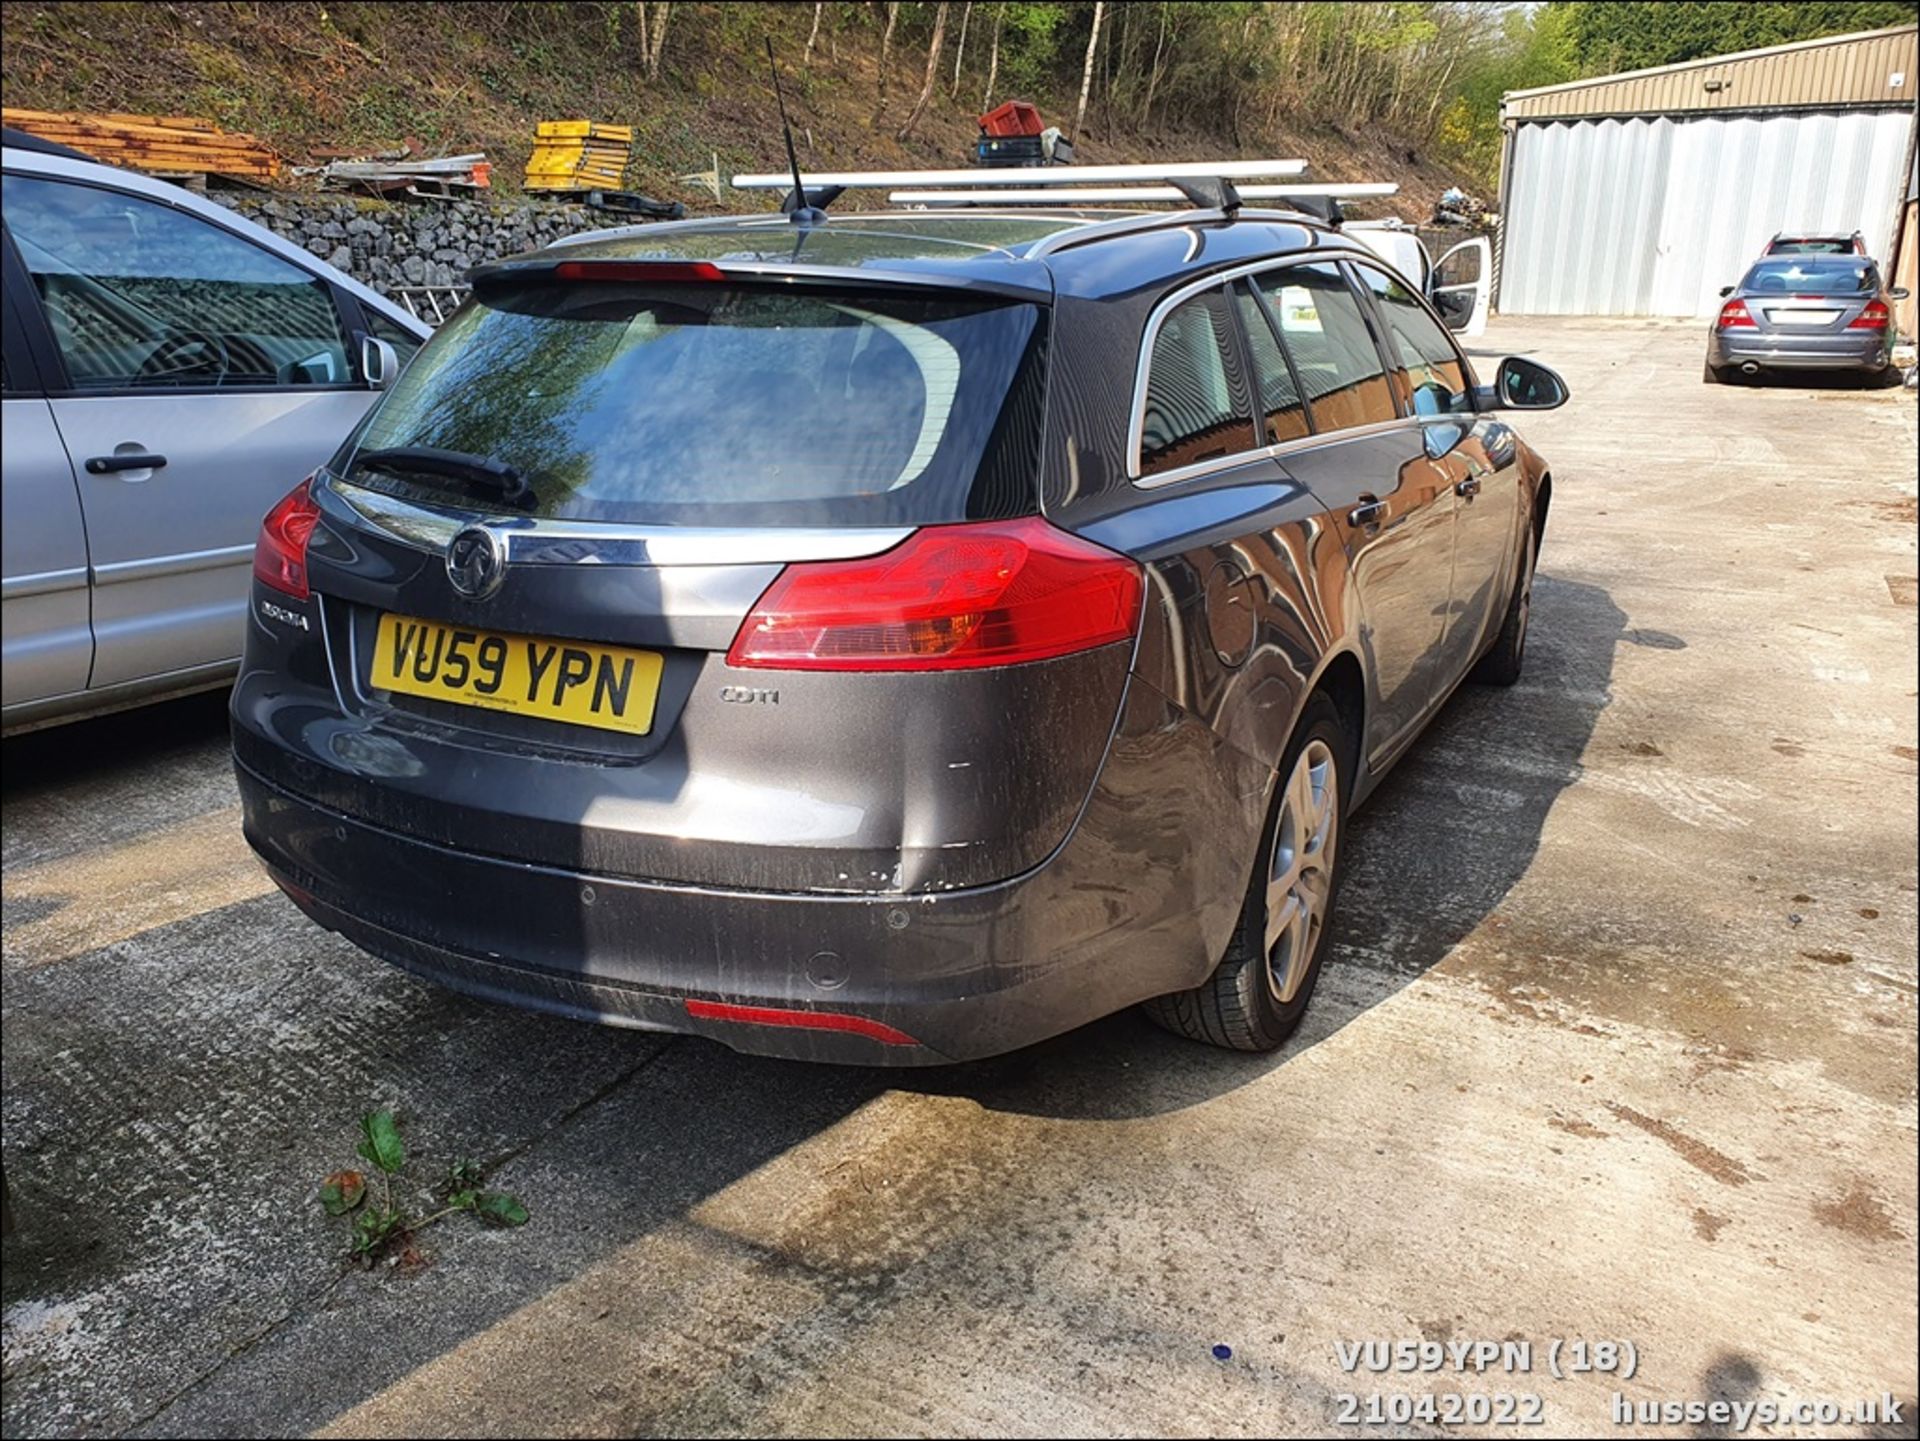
(170, 122)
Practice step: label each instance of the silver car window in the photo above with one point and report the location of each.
(142, 296)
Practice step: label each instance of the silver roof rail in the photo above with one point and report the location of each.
(1067, 196)
(1030, 177)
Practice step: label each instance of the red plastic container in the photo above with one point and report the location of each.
(1016, 117)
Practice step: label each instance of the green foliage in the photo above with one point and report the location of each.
(1030, 49)
(1613, 35)
(386, 1224)
(1533, 48)
(342, 1192)
(380, 1142)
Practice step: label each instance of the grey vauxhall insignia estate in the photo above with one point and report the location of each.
(891, 639)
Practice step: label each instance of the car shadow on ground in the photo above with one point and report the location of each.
(232, 1070)
(56, 757)
(1430, 858)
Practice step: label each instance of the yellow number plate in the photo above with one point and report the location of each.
(564, 680)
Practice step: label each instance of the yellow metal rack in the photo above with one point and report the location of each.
(579, 155)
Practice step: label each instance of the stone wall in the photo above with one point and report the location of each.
(388, 244)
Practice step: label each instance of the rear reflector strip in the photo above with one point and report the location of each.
(799, 1020)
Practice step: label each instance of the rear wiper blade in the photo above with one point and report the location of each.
(478, 470)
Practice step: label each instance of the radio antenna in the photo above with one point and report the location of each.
(798, 211)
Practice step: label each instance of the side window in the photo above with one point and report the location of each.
(402, 340)
(1283, 413)
(1435, 379)
(142, 296)
(1197, 406)
(1327, 335)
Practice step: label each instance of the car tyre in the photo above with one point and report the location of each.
(1502, 664)
(1258, 993)
(1712, 374)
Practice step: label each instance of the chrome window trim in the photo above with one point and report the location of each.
(1284, 448)
(530, 541)
(1137, 417)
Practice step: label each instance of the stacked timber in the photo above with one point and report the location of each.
(158, 144)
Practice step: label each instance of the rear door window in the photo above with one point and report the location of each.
(1435, 379)
(712, 404)
(1331, 344)
(141, 296)
(1283, 411)
(1196, 403)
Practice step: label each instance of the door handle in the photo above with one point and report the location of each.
(1368, 514)
(111, 464)
(1469, 487)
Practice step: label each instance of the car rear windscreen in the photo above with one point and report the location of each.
(1812, 275)
(1812, 245)
(709, 404)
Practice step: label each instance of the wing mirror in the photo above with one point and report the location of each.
(1725, 291)
(379, 363)
(1522, 384)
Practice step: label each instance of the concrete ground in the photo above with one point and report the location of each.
(1618, 1043)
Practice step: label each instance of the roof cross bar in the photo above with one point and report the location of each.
(1068, 196)
(1210, 184)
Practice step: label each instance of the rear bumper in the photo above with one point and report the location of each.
(1864, 351)
(903, 979)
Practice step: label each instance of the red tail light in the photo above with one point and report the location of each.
(638, 270)
(946, 598)
(280, 555)
(1734, 316)
(1874, 317)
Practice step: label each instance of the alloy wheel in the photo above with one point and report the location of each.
(1300, 879)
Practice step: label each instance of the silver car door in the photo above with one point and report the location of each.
(204, 377)
(48, 645)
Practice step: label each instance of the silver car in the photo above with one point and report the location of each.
(1803, 312)
(170, 368)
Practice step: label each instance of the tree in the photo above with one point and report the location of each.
(933, 61)
(1086, 72)
(1636, 35)
(806, 57)
(960, 49)
(886, 48)
(660, 13)
(993, 62)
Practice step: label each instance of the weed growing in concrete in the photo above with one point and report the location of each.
(385, 1225)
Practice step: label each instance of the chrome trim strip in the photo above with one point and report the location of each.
(45, 582)
(1285, 448)
(1137, 415)
(154, 567)
(574, 542)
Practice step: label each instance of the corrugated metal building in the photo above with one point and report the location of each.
(1644, 193)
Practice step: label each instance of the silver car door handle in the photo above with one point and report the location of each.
(110, 464)
(1368, 514)
(1470, 486)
